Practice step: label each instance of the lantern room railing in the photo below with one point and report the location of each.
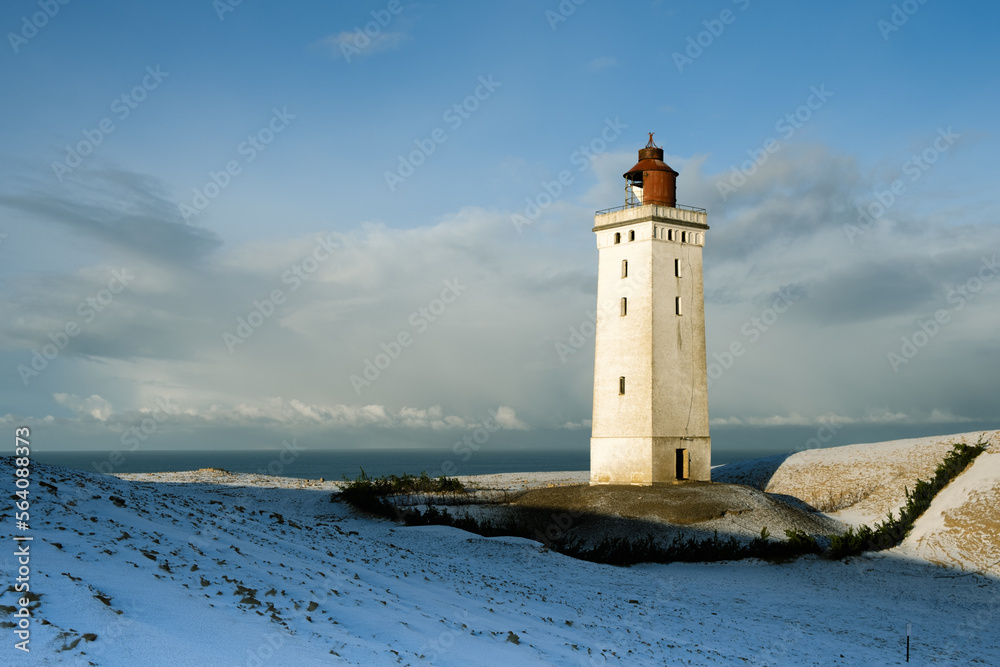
(625, 206)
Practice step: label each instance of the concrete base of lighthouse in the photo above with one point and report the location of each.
(647, 461)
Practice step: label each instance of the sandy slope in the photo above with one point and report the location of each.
(863, 483)
(248, 570)
(961, 528)
(855, 483)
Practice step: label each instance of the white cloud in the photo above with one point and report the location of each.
(292, 413)
(602, 63)
(879, 416)
(507, 418)
(360, 44)
(93, 406)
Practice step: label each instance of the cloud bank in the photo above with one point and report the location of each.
(368, 326)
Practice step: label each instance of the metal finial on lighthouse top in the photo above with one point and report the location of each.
(651, 144)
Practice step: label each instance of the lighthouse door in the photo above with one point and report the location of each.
(683, 464)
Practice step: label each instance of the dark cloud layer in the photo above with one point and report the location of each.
(123, 210)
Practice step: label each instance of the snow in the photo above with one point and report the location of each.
(962, 525)
(855, 483)
(178, 561)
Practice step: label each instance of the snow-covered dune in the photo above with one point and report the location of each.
(863, 483)
(854, 483)
(226, 569)
(961, 528)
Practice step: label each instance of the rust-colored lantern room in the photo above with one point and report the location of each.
(651, 180)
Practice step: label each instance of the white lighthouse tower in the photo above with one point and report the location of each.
(650, 422)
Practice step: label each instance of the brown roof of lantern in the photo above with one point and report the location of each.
(650, 159)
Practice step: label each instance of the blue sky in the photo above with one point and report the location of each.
(332, 113)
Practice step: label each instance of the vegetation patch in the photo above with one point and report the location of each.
(623, 551)
(381, 495)
(392, 497)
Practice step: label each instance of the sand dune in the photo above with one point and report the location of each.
(862, 483)
(961, 528)
(854, 483)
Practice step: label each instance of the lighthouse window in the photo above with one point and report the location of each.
(670, 235)
(624, 268)
(624, 306)
(684, 237)
(631, 235)
(677, 268)
(677, 304)
(618, 237)
(621, 386)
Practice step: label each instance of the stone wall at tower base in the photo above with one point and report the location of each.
(650, 460)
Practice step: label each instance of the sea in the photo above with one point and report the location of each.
(729, 445)
(347, 463)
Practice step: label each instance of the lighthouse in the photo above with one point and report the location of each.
(650, 421)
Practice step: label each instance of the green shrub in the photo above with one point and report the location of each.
(394, 484)
(376, 494)
(623, 551)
